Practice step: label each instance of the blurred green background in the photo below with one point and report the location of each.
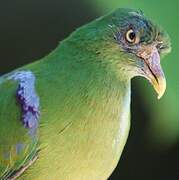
(31, 29)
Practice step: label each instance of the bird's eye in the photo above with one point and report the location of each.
(131, 37)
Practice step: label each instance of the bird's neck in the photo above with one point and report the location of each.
(88, 70)
(84, 80)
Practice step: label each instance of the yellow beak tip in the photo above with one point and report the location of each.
(160, 87)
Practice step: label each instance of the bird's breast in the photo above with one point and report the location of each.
(90, 140)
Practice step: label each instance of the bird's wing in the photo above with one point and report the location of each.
(18, 143)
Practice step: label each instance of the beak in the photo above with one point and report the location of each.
(152, 68)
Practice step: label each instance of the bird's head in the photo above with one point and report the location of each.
(138, 44)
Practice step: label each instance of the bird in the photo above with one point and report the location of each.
(67, 115)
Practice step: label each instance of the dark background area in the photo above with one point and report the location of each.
(31, 29)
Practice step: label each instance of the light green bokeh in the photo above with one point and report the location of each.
(164, 126)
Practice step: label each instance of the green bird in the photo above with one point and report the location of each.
(67, 116)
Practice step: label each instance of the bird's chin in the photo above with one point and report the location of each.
(153, 72)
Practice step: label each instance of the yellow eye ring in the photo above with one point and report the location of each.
(131, 37)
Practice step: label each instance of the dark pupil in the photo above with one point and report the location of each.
(132, 35)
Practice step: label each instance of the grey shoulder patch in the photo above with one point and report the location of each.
(27, 98)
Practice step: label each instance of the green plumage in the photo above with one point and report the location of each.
(84, 91)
